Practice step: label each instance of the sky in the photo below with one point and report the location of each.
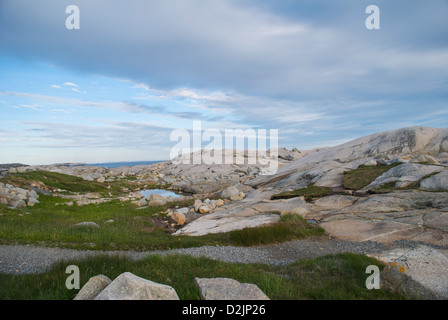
(135, 71)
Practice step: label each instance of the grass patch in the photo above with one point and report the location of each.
(72, 184)
(332, 277)
(309, 192)
(290, 227)
(55, 180)
(142, 229)
(364, 175)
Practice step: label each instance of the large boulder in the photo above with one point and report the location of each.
(418, 273)
(128, 286)
(437, 182)
(227, 220)
(228, 289)
(228, 192)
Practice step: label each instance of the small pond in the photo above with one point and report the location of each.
(160, 192)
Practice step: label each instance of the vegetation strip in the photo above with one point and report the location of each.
(339, 276)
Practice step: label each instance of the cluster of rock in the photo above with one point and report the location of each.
(152, 200)
(10, 168)
(128, 286)
(187, 214)
(187, 178)
(17, 197)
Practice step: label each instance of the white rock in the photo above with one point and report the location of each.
(197, 205)
(87, 224)
(184, 210)
(404, 172)
(128, 286)
(230, 191)
(228, 289)
(436, 182)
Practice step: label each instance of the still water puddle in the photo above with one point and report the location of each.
(160, 192)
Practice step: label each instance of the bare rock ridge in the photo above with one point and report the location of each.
(395, 145)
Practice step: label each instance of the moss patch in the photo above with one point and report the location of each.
(310, 192)
(364, 175)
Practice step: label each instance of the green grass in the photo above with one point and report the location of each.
(364, 175)
(309, 192)
(132, 229)
(340, 277)
(55, 180)
(290, 227)
(73, 184)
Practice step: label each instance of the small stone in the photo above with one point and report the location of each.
(197, 205)
(219, 203)
(204, 209)
(87, 224)
(179, 218)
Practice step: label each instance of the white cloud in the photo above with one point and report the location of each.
(79, 91)
(70, 84)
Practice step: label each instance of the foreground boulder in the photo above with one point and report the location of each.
(228, 289)
(93, 287)
(417, 273)
(128, 286)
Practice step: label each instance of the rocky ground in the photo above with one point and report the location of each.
(412, 207)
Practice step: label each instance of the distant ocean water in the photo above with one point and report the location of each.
(111, 165)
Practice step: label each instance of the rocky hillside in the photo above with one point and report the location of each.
(390, 188)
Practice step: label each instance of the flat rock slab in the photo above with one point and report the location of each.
(421, 271)
(281, 206)
(128, 286)
(224, 221)
(353, 229)
(228, 289)
(335, 202)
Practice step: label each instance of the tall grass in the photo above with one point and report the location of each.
(332, 277)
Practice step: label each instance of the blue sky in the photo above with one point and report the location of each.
(136, 70)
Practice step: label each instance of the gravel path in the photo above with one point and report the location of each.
(23, 259)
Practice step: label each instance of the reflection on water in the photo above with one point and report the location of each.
(160, 192)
